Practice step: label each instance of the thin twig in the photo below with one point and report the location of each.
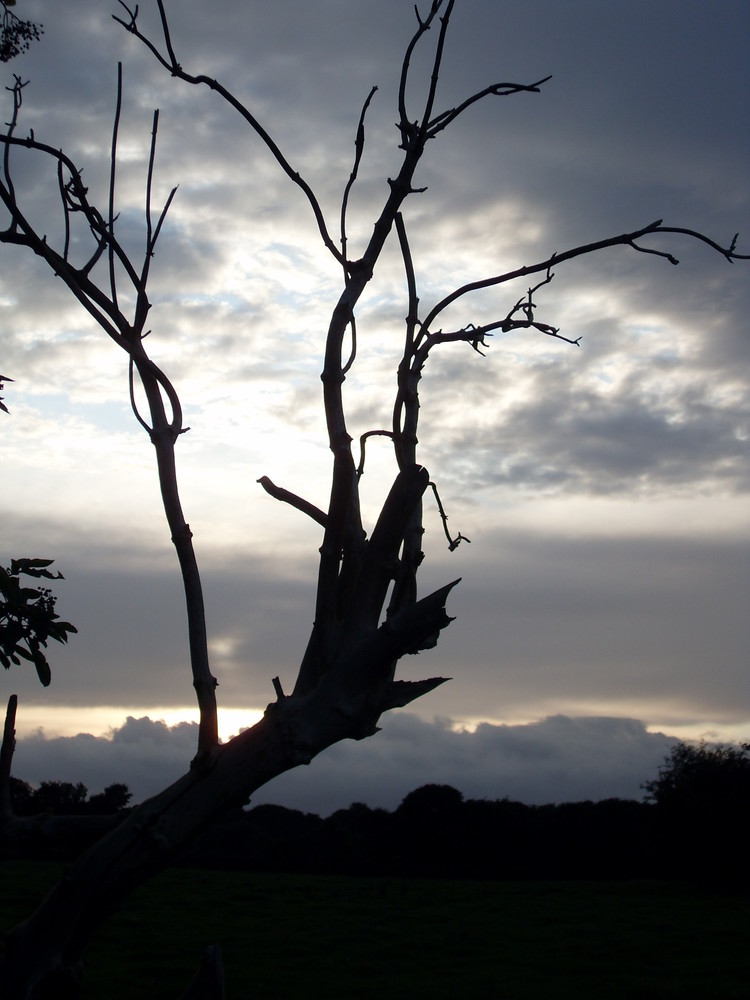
(113, 166)
(363, 438)
(359, 145)
(453, 543)
(437, 62)
(496, 89)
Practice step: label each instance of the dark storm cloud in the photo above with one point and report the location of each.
(556, 760)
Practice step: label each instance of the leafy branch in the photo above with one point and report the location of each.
(27, 616)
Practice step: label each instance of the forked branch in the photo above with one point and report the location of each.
(171, 63)
(165, 423)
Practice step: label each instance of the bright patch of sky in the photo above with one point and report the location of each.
(604, 487)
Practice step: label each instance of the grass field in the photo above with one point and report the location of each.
(290, 936)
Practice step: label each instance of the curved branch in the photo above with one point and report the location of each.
(285, 496)
(359, 145)
(405, 127)
(443, 120)
(176, 70)
(624, 239)
(164, 428)
(453, 543)
(75, 189)
(363, 438)
(112, 171)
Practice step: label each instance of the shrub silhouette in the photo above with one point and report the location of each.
(702, 797)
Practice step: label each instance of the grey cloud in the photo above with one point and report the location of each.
(593, 621)
(626, 445)
(617, 624)
(144, 754)
(558, 759)
(131, 648)
(555, 760)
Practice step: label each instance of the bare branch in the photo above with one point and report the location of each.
(437, 62)
(285, 496)
(66, 209)
(133, 403)
(152, 234)
(170, 62)
(624, 239)
(7, 749)
(353, 349)
(363, 438)
(496, 89)
(406, 404)
(149, 185)
(412, 319)
(729, 253)
(164, 428)
(17, 92)
(359, 145)
(453, 543)
(406, 129)
(112, 172)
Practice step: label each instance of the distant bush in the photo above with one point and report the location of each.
(63, 798)
(702, 796)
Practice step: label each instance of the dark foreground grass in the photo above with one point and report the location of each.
(290, 936)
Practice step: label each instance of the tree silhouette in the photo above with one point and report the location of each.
(702, 796)
(703, 777)
(368, 612)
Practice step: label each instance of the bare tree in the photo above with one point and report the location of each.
(368, 613)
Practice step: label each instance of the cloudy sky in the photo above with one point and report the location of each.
(604, 488)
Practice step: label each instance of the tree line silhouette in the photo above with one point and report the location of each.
(690, 825)
(64, 798)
